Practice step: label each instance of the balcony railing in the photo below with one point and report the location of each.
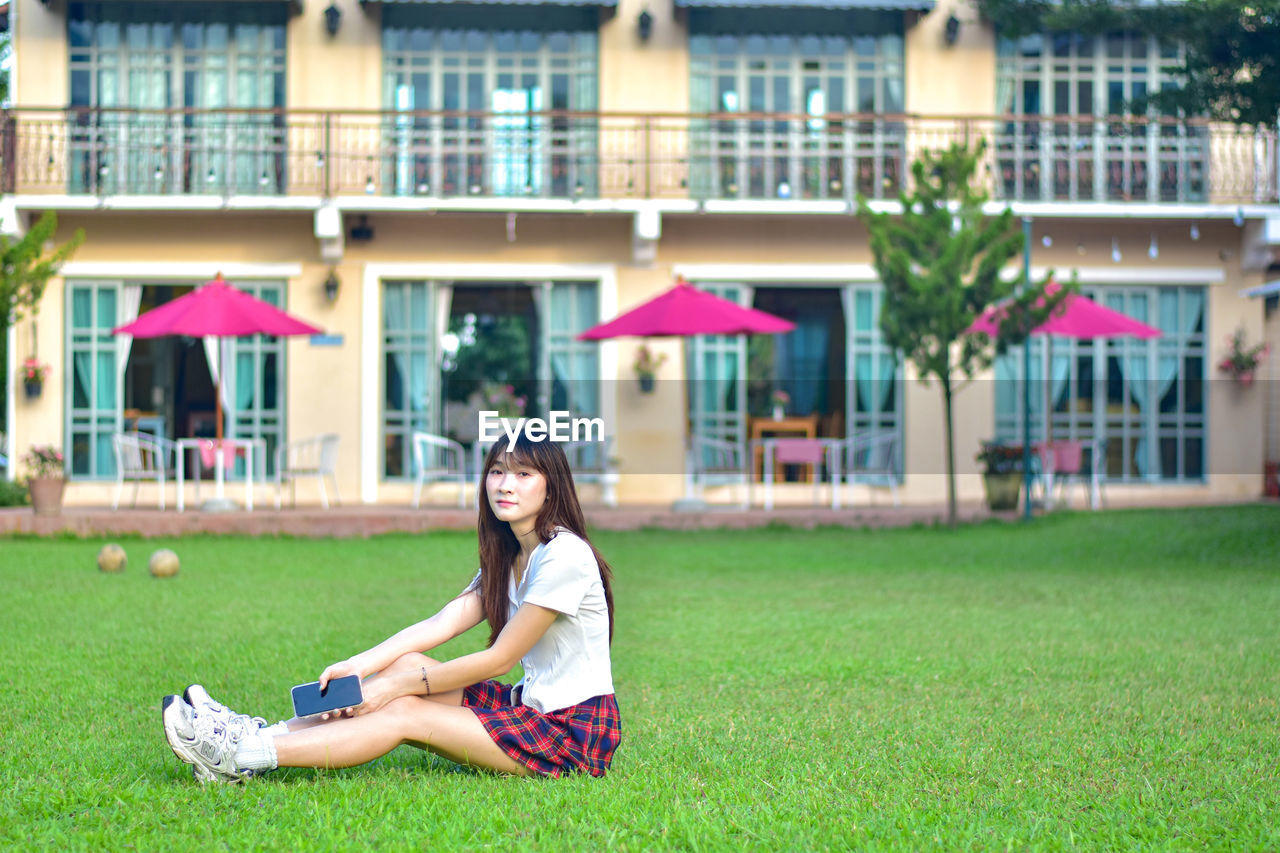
(570, 156)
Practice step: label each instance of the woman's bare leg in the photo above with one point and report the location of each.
(452, 731)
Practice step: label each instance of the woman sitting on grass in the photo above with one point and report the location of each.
(544, 590)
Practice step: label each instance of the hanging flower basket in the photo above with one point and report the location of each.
(1242, 361)
(33, 373)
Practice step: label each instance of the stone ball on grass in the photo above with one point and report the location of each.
(163, 563)
(112, 558)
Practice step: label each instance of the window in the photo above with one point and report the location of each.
(488, 92)
(815, 80)
(257, 381)
(1145, 398)
(201, 57)
(874, 400)
(1085, 145)
(453, 349)
(93, 395)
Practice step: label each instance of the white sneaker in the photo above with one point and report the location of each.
(203, 742)
(237, 724)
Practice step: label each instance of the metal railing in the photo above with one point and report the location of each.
(560, 155)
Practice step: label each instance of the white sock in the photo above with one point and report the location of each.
(280, 728)
(257, 752)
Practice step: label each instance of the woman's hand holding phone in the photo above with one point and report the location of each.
(338, 670)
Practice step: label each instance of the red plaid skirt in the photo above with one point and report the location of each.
(580, 737)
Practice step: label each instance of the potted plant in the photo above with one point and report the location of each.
(503, 399)
(45, 479)
(33, 374)
(1241, 362)
(780, 400)
(1002, 474)
(646, 367)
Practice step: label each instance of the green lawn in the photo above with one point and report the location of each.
(1103, 680)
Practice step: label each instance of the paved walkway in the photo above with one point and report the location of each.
(362, 520)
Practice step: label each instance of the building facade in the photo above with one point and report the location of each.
(454, 191)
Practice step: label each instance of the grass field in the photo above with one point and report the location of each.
(1105, 680)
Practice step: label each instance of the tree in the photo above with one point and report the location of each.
(25, 270)
(941, 262)
(1230, 67)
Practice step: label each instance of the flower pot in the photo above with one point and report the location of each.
(46, 495)
(33, 387)
(1002, 489)
(1245, 378)
(646, 384)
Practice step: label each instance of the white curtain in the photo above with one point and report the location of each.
(130, 302)
(217, 351)
(1136, 368)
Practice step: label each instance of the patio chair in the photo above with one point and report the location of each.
(1082, 462)
(717, 462)
(308, 457)
(589, 462)
(435, 459)
(871, 458)
(140, 457)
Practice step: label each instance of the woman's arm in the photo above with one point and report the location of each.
(458, 616)
(520, 635)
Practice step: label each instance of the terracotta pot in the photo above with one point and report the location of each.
(1003, 490)
(46, 495)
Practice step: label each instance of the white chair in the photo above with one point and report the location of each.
(717, 462)
(308, 457)
(140, 457)
(871, 458)
(590, 463)
(436, 458)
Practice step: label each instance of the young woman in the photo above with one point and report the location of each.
(545, 592)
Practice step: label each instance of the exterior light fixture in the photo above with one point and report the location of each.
(952, 31)
(332, 19)
(644, 25)
(331, 285)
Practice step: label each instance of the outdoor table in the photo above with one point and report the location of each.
(252, 447)
(801, 451)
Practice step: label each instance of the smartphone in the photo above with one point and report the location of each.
(309, 699)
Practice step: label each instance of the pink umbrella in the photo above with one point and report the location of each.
(684, 310)
(216, 309)
(1077, 317)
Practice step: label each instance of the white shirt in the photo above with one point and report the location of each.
(570, 662)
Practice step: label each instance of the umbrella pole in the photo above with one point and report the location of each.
(218, 475)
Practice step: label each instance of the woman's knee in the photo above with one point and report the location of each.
(410, 660)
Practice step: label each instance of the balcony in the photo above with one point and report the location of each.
(573, 157)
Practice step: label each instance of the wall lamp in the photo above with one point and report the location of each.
(952, 32)
(644, 25)
(331, 285)
(332, 19)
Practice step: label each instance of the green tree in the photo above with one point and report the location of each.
(941, 261)
(25, 270)
(1231, 65)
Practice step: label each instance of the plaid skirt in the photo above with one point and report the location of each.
(581, 737)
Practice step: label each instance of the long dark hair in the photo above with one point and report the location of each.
(498, 544)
